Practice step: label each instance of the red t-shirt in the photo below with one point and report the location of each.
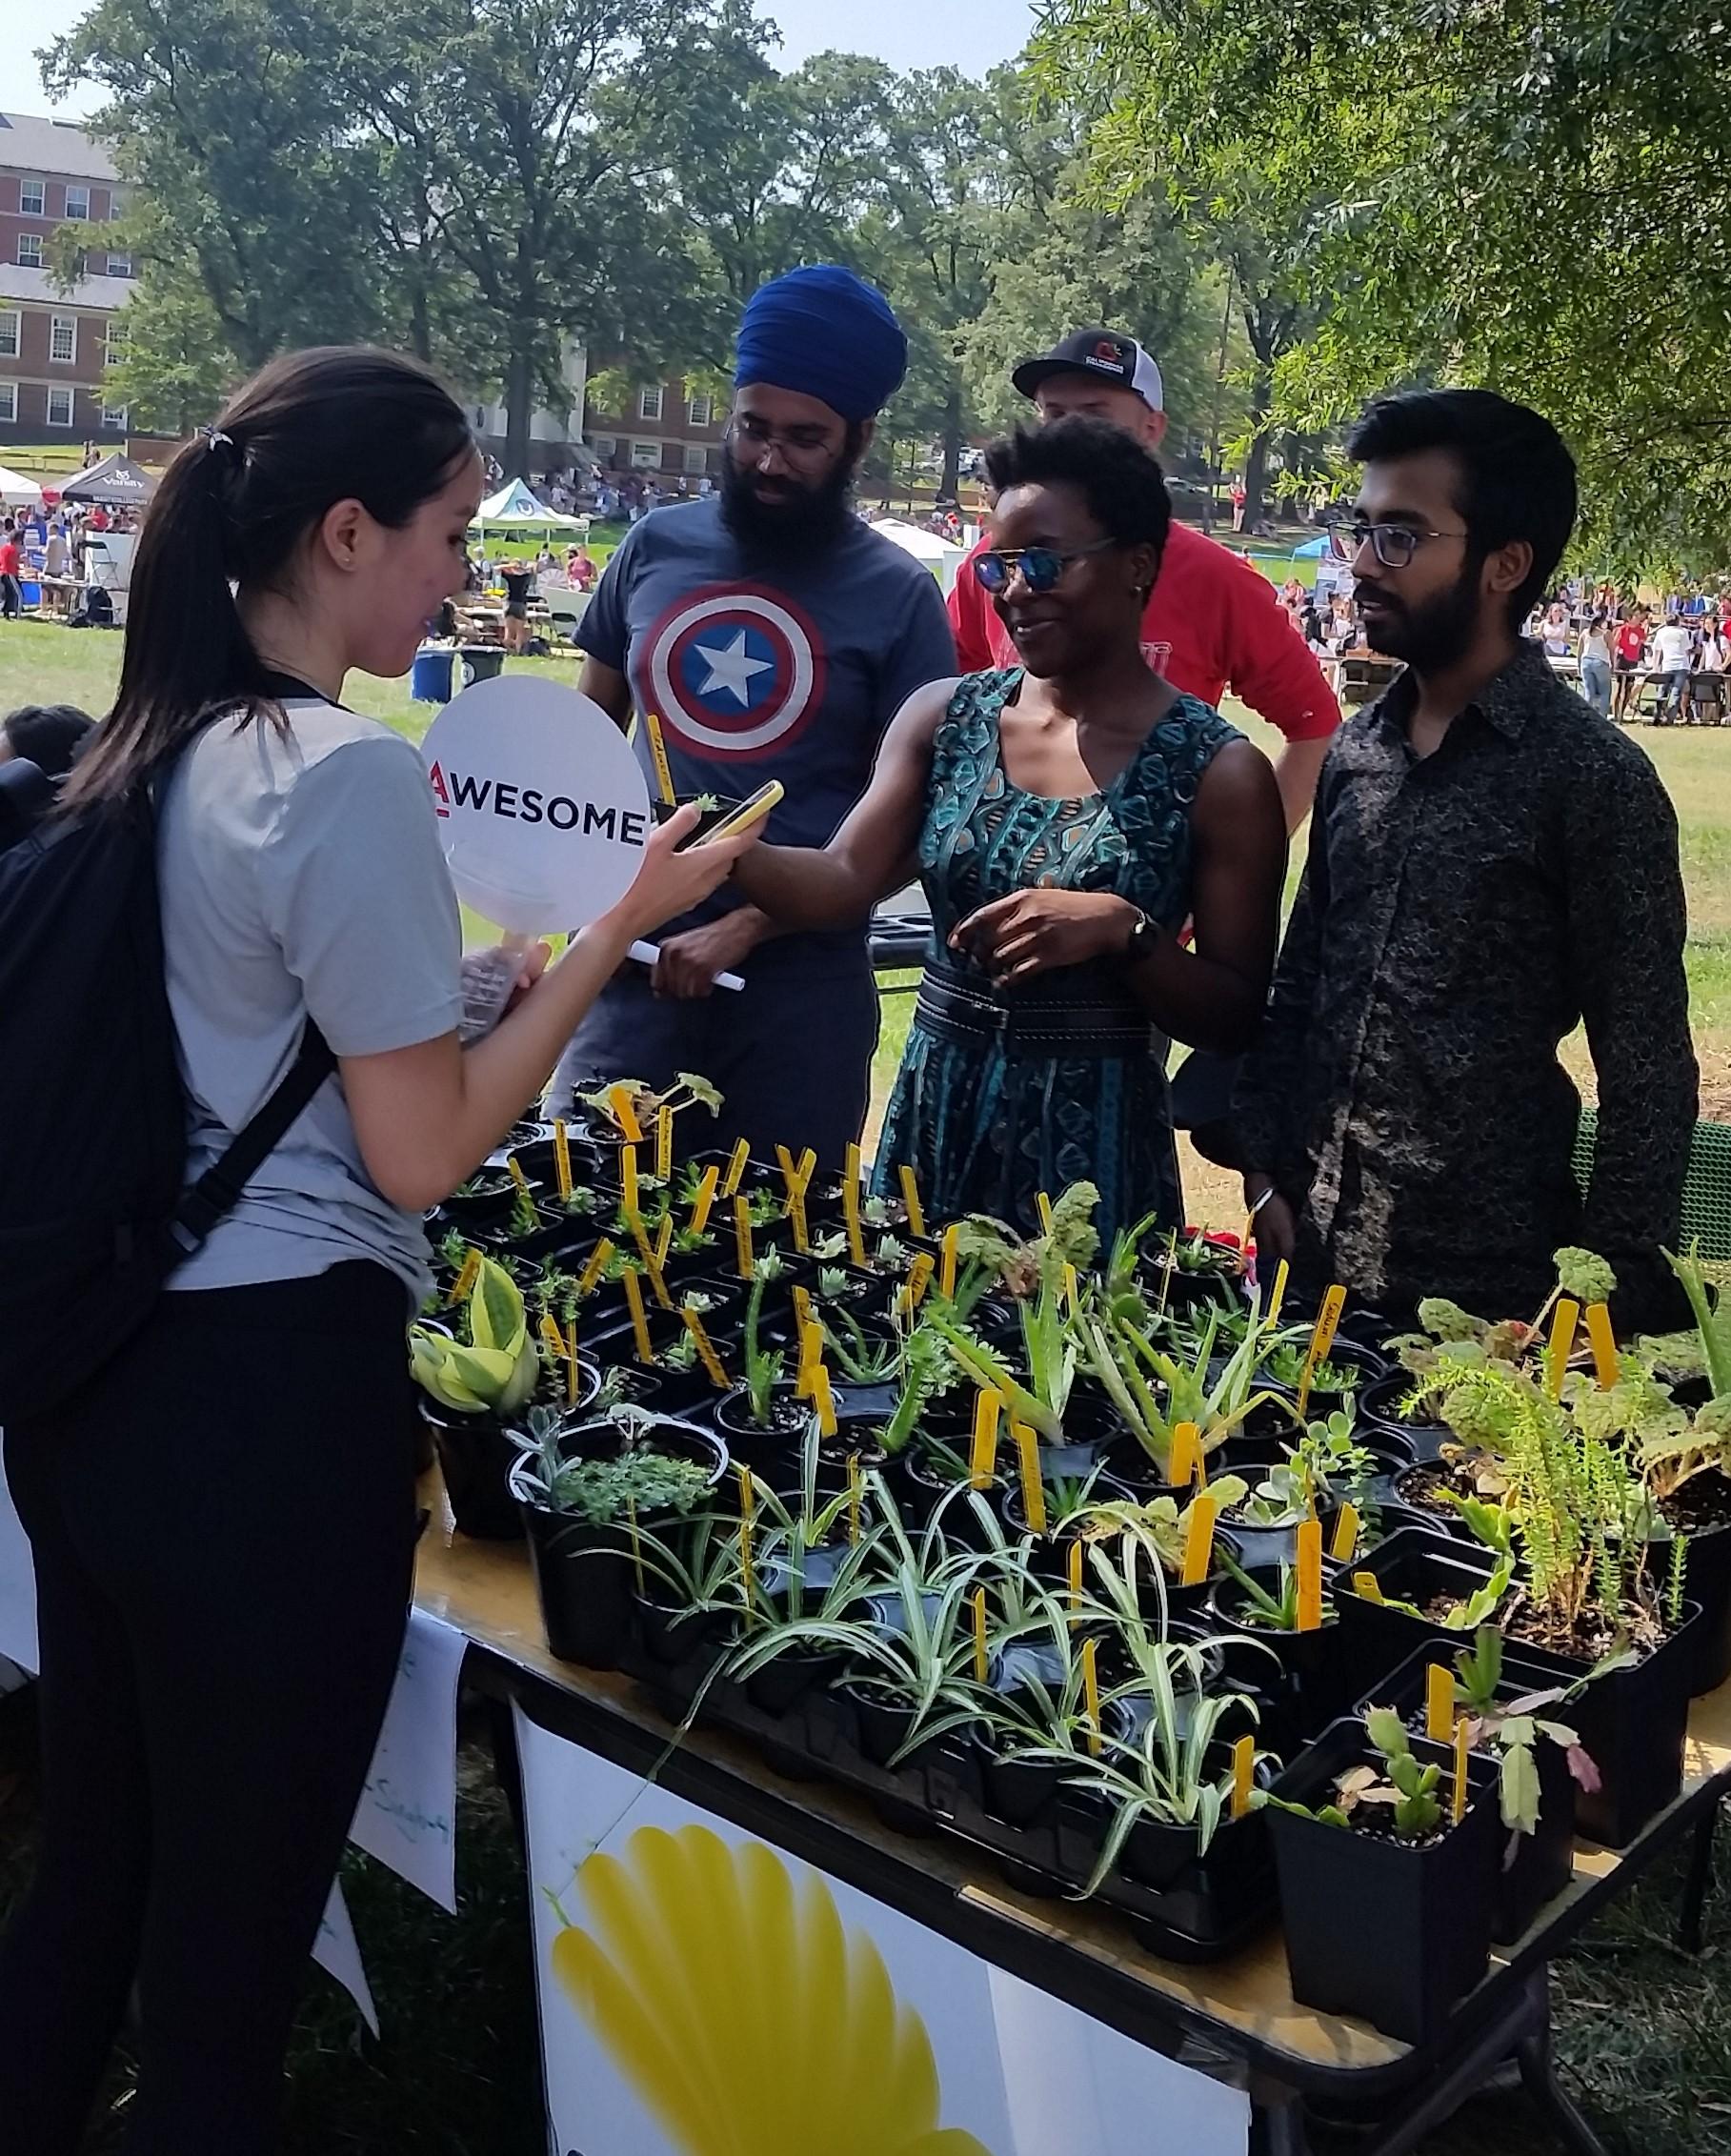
(1214, 620)
(1631, 643)
(9, 558)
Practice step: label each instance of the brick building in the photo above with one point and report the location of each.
(669, 430)
(54, 345)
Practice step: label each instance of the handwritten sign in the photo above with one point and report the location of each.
(407, 1814)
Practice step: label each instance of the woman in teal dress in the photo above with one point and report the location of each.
(1066, 817)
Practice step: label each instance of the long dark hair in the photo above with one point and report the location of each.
(310, 429)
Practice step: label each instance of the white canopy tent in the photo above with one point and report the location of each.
(942, 558)
(17, 492)
(516, 508)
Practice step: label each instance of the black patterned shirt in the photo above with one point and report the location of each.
(1458, 916)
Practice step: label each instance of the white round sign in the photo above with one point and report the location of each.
(542, 806)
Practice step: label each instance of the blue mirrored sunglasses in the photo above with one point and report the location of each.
(1040, 567)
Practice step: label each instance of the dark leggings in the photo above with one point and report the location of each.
(223, 1530)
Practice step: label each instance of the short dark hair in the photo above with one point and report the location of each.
(49, 735)
(1121, 483)
(1516, 475)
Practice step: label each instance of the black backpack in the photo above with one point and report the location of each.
(92, 1111)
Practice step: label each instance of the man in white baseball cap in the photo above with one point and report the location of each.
(1214, 621)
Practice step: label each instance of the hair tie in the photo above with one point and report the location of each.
(215, 437)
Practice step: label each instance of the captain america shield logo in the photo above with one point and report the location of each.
(734, 671)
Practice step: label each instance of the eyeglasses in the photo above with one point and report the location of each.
(1040, 567)
(1396, 544)
(800, 445)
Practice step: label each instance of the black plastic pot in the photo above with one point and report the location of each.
(1708, 1583)
(1632, 1723)
(1305, 1678)
(764, 1451)
(477, 1215)
(1394, 1934)
(1380, 1402)
(1535, 1868)
(884, 1724)
(1272, 1546)
(476, 1459)
(588, 1576)
(1412, 1566)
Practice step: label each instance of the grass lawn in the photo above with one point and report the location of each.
(1645, 2033)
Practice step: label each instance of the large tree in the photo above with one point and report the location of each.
(1508, 195)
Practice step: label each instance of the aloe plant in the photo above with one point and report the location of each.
(861, 1357)
(764, 1367)
(1125, 1359)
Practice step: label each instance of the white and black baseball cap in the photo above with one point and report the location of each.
(1103, 354)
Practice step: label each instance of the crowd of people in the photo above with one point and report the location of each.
(1104, 856)
(54, 543)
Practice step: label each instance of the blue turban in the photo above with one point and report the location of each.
(827, 333)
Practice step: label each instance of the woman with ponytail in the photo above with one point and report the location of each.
(223, 1520)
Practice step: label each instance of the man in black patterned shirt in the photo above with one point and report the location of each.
(1490, 863)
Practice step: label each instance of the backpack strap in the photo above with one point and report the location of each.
(217, 1191)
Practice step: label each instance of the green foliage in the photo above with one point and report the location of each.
(764, 1367)
(496, 1370)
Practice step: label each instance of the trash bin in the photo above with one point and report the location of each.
(429, 676)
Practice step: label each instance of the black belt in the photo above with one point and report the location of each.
(1046, 1025)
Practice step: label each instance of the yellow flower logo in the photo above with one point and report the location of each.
(743, 2011)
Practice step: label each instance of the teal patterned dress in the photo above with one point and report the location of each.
(988, 1128)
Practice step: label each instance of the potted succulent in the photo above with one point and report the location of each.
(1387, 1883)
(474, 1388)
(587, 1494)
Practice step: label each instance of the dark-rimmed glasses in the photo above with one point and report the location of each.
(1395, 544)
(1040, 567)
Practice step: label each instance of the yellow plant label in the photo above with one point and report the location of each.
(1091, 1693)
(664, 1143)
(1561, 1345)
(1198, 1541)
(1456, 1810)
(657, 750)
(572, 1366)
(823, 1399)
(982, 1458)
(1044, 1206)
(1322, 1340)
(630, 1203)
(856, 1496)
(706, 1347)
(657, 1280)
(464, 1284)
(1603, 1343)
(981, 1666)
(1368, 1586)
(1073, 1293)
(625, 1113)
(1440, 1702)
(1277, 1295)
(850, 1206)
(802, 1233)
(1185, 1466)
(705, 1199)
(640, 1323)
(599, 1258)
(664, 1241)
(803, 1313)
(946, 1265)
(1310, 1575)
(1034, 1482)
(1347, 1534)
(790, 1173)
(910, 1198)
(561, 1158)
(554, 1338)
(515, 1169)
(919, 1279)
(1243, 1775)
(808, 1166)
(1075, 1563)
(748, 1510)
(736, 1167)
(743, 1254)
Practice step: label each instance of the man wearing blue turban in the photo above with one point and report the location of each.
(773, 636)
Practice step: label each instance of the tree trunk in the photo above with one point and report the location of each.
(420, 325)
(951, 486)
(519, 398)
(1256, 464)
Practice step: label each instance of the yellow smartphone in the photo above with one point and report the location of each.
(751, 811)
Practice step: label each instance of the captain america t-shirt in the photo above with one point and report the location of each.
(763, 665)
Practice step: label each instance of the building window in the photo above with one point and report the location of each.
(8, 334)
(645, 456)
(699, 410)
(605, 447)
(9, 403)
(696, 457)
(649, 402)
(60, 408)
(29, 250)
(63, 339)
(78, 204)
(31, 202)
(120, 265)
(114, 415)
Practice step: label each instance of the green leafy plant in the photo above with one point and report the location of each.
(927, 1369)
(764, 1367)
(496, 1370)
(1161, 1527)
(1401, 1786)
(864, 1358)
(686, 1090)
(1284, 1365)
(1129, 1364)
(604, 1489)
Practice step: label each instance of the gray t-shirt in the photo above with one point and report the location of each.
(302, 875)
